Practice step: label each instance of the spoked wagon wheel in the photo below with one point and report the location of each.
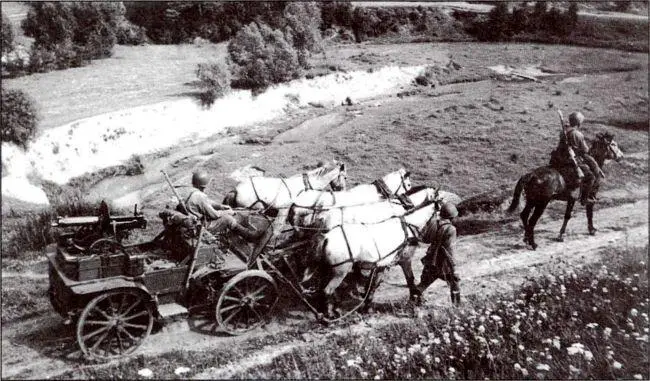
(246, 301)
(114, 324)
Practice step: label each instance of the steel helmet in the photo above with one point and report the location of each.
(200, 179)
(448, 210)
(576, 118)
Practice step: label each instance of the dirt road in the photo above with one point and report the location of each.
(492, 262)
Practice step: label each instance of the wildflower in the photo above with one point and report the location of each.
(562, 289)
(452, 370)
(495, 317)
(604, 290)
(529, 359)
(436, 360)
(549, 357)
(594, 309)
(638, 377)
(494, 341)
(544, 367)
(436, 341)
(617, 365)
(521, 347)
(414, 348)
(573, 369)
(592, 325)
(145, 373)
(481, 329)
(575, 348)
(181, 370)
(377, 377)
(607, 332)
(635, 289)
(524, 372)
(556, 343)
(634, 312)
(588, 355)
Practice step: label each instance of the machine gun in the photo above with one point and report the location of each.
(88, 229)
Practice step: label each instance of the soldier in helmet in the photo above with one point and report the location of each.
(216, 217)
(592, 172)
(439, 260)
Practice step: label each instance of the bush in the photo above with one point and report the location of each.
(68, 34)
(214, 80)
(7, 42)
(261, 56)
(19, 117)
(130, 34)
(302, 30)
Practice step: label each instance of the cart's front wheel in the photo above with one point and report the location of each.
(114, 324)
(246, 301)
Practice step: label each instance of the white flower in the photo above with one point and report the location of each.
(634, 312)
(588, 355)
(145, 373)
(377, 377)
(638, 377)
(573, 369)
(481, 329)
(180, 370)
(607, 332)
(437, 360)
(529, 359)
(495, 317)
(521, 347)
(517, 366)
(604, 290)
(544, 367)
(556, 343)
(524, 372)
(592, 325)
(617, 365)
(452, 370)
(423, 371)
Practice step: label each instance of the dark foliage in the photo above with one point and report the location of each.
(19, 117)
(7, 42)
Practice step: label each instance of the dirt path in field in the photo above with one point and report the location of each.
(492, 262)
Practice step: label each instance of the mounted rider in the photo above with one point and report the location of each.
(572, 151)
(439, 261)
(216, 217)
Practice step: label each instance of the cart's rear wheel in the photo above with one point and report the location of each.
(246, 301)
(114, 324)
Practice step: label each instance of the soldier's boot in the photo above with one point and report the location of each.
(586, 196)
(248, 233)
(426, 279)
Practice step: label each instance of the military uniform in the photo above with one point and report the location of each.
(439, 260)
(590, 182)
(216, 218)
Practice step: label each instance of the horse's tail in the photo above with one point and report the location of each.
(517, 193)
(231, 199)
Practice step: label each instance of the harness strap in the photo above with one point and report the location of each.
(405, 201)
(264, 204)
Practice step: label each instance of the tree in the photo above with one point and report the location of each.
(302, 29)
(7, 42)
(73, 32)
(497, 27)
(261, 56)
(18, 117)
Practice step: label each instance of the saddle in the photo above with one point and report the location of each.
(562, 162)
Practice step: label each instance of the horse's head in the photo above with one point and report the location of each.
(339, 182)
(334, 176)
(605, 148)
(398, 182)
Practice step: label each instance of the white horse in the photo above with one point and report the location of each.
(372, 213)
(371, 246)
(259, 192)
(307, 203)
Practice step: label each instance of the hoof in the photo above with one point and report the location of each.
(592, 231)
(533, 246)
(560, 239)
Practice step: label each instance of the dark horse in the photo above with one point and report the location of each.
(545, 184)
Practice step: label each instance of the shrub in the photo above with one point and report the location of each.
(261, 56)
(19, 117)
(302, 30)
(7, 42)
(130, 34)
(68, 34)
(214, 80)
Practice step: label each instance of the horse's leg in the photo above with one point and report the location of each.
(339, 272)
(524, 219)
(378, 278)
(567, 217)
(590, 218)
(537, 213)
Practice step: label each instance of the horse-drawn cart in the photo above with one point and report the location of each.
(116, 292)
